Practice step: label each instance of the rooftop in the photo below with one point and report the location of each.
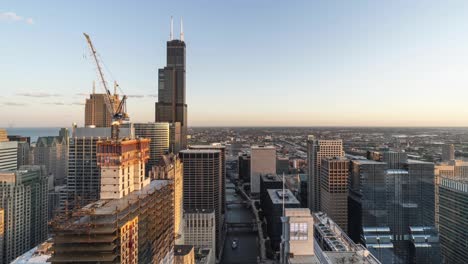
(366, 161)
(188, 151)
(107, 207)
(276, 196)
(182, 250)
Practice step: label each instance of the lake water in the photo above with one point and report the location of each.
(33, 132)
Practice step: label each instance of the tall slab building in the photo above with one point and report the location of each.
(316, 150)
(159, 145)
(171, 106)
(96, 112)
(23, 197)
(202, 187)
(262, 162)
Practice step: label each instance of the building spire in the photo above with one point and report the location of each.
(182, 29)
(94, 87)
(171, 36)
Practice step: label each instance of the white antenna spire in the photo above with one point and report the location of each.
(182, 28)
(94, 87)
(171, 36)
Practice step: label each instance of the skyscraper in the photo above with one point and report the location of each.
(334, 190)
(222, 149)
(8, 155)
(84, 175)
(23, 195)
(410, 200)
(448, 152)
(52, 151)
(202, 187)
(170, 168)
(368, 212)
(159, 135)
(453, 219)
(96, 111)
(316, 150)
(171, 106)
(262, 162)
(133, 222)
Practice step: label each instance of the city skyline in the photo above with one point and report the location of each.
(284, 64)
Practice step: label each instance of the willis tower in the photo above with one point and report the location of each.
(171, 106)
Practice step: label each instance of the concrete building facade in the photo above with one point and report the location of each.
(8, 155)
(200, 229)
(84, 174)
(202, 185)
(317, 149)
(52, 152)
(334, 190)
(170, 167)
(262, 161)
(96, 112)
(23, 196)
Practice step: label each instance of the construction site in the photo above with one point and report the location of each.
(138, 228)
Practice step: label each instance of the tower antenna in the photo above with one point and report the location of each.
(182, 29)
(171, 36)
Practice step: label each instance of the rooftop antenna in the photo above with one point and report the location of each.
(182, 29)
(171, 36)
(94, 87)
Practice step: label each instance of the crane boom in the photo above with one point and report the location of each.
(118, 112)
(108, 98)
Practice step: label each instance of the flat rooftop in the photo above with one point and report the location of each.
(366, 161)
(276, 199)
(193, 151)
(263, 147)
(182, 250)
(216, 146)
(107, 207)
(271, 178)
(412, 161)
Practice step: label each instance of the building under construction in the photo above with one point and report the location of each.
(138, 228)
(132, 223)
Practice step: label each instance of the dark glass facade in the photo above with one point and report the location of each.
(171, 106)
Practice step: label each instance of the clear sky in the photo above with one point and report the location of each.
(255, 63)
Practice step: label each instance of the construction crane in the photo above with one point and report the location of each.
(118, 112)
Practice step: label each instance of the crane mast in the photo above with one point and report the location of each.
(118, 112)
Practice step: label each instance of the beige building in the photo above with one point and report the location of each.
(262, 161)
(8, 155)
(317, 149)
(334, 190)
(96, 113)
(170, 168)
(200, 229)
(122, 165)
(3, 135)
(184, 254)
(301, 231)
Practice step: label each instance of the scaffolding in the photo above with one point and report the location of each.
(94, 233)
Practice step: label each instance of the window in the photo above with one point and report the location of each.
(298, 231)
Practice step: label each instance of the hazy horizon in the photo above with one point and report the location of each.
(249, 64)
